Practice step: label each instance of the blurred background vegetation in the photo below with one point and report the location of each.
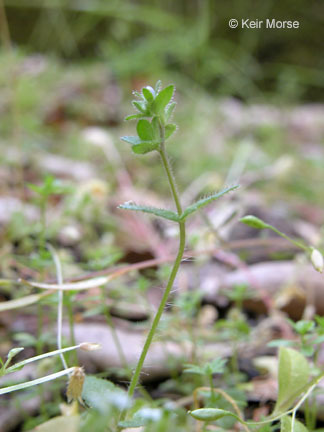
(69, 65)
(145, 38)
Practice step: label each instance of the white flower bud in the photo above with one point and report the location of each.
(317, 260)
(90, 346)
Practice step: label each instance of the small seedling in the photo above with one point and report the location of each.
(49, 187)
(154, 109)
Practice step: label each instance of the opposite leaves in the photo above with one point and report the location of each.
(205, 201)
(140, 146)
(172, 216)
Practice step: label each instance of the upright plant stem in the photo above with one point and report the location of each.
(169, 174)
(174, 271)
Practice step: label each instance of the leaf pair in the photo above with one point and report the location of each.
(149, 136)
(153, 102)
(173, 216)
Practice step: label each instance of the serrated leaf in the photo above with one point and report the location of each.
(163, 98)
(191, 368)
(211, 414)
(169, 130)
(13, 352)
(145, 130)
(217, 365)
(148, 93)
(286, 426)
(293, 376)
(205, 201)
(165, 214)
(169, 111)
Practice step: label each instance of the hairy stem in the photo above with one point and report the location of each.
(168, 170)
(174, 271)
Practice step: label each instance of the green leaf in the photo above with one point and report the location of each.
(216, 366)
(133, 423)
(148, 93)
(144, 147)
(211, 414)
(139, 146)
(293, 376)
(286, 425)
(169, 130)
(162, 99)
(100, 393)
(131, 139)
(280, 343)
(21, 364)
(145, 130)
(165, 214)
(194, 369)
(158, 86)
(13, 352)
(134, 117)
(254, 222)
(205, 201)
(303, 326)
(142, 417)
(169, 111)
(140, 106)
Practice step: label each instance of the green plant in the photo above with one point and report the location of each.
(154, 111)
(315, 255)
(44, 191)
(294, 381)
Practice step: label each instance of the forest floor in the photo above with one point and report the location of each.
(63, 173)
